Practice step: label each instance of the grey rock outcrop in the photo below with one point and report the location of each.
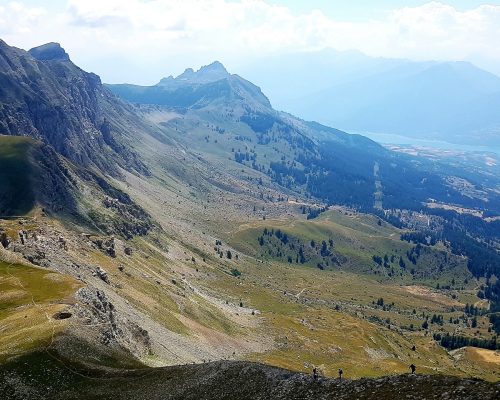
(113, 330)
(50, 51)
(45, 96)
(102, 274)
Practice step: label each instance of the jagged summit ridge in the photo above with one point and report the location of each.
(206, 74)
(209, 85)
(216, 66)
(49, 52)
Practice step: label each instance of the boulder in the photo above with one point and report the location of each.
(4, 240)
(102, 274)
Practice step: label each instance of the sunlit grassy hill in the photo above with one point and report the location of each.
(30, 300)
(351, 241)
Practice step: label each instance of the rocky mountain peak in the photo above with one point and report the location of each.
(208, 73)
(216, 66)
(209, 84)
(165, 81)
(212, 72)
(49, 52)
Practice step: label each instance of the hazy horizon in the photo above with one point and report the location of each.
(157, 38)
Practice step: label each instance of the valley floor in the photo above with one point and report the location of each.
(176, 304)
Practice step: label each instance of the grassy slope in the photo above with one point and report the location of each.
(146, 282)
(29, 297)
(305, 327)
(298, 307)
(295, 304)
(357, 237)
(299, 304)
(16, 193)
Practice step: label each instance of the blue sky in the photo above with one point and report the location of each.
(154, 38)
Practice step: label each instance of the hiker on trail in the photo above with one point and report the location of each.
(340, 373)
(413, 368)
(315, 374)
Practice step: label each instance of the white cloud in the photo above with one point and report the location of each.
(440, 31)
(17, 19)
(158, 36)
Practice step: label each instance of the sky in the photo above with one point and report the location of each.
(140, 41)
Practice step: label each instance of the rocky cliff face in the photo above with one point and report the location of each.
(50, 51)
(45, 96)
(33, 174)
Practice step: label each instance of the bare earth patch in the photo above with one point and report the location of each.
(426, 293)
(12, 295)
(489, 356)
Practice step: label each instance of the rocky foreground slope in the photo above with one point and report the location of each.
(43, 376)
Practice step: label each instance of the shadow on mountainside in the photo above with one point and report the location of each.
(43, 376)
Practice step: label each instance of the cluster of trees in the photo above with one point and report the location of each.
(419, 238)
(472, 225)
(240, 157)
(259, 122)
(270, 128)
(495, 321)
(483, 259)
(466, 236)
(377, 259)
(243, 139)
(235, 272)
(284, 240)
(270, 232)
(313, 212)
(470, 310)
(282, 245)
(222, 253)
(452, 342)
(414, 253)
(437, 319)
(326, 250)
(386, 261)
(491, 291)
(287, 175)
(447, 287)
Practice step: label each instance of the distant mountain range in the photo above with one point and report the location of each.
(328, 163)
(450, 101)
